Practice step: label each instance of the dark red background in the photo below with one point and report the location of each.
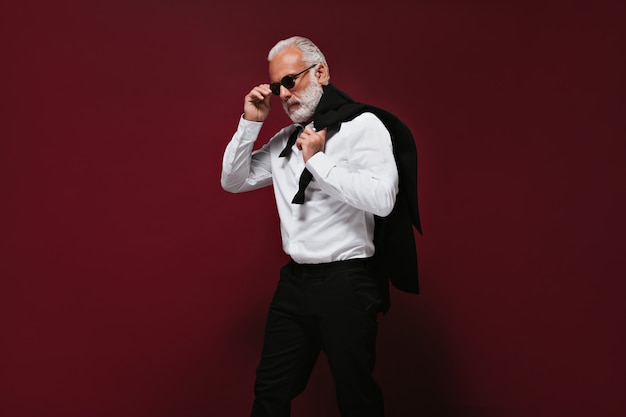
(132, 285)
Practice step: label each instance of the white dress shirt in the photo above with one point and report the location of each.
(354, 178)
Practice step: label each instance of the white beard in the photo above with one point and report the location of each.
(307, 103)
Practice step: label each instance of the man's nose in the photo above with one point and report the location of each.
(284, 93)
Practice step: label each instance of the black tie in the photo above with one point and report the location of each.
(306, 176)
(305, 179)
(291, 141)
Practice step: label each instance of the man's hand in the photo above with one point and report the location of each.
(311, 142)
(256, 106)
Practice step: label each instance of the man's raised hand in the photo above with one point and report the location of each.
(256, 105)
(311, 142)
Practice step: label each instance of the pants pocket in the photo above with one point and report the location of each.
(365, 289)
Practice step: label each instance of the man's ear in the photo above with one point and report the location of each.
(321, 74)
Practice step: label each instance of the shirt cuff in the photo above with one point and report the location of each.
(320, 165)
(248, 130)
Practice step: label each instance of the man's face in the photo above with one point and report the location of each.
(301, 100)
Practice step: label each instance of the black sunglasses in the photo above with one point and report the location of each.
(288, 81)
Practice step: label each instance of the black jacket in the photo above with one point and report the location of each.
(396, 256)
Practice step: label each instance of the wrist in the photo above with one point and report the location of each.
(249, 118)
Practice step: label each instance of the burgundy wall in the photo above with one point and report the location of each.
(132, 285)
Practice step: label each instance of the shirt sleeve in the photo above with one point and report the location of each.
(367, 178)
(242, 168)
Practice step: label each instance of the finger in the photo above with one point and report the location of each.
(310, 134)
(265, 89)
(260, 92)
(255, 96)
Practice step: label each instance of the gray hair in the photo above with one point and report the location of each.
(311, 54)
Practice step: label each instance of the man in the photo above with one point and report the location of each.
(334, 176)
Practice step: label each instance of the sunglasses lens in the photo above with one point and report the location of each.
(275, 87)
(288, 81)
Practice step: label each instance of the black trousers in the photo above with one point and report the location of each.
(331, 307)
